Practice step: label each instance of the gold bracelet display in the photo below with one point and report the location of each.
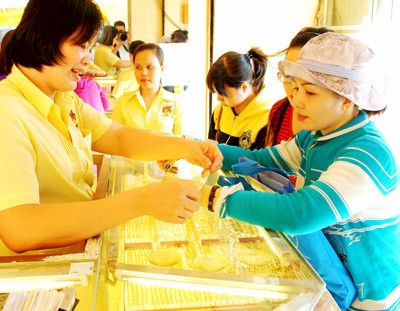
(211, 198)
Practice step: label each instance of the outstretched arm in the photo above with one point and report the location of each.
(144, 145)
(32, 226)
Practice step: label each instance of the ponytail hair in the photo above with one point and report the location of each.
(260, 64)
(232, 69)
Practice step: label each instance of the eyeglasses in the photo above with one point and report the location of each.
(283, 78)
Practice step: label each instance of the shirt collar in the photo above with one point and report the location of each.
(162, 95)
(31, 92)
(356, 123)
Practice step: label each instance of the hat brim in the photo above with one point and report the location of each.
(292, 69)
(366, 98)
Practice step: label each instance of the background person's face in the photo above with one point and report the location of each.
(120, 28)
(148, 70)
(291, 55)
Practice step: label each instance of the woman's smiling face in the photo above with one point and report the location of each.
(65, 75)
(318, 108)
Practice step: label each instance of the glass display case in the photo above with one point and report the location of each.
(207, 263)
(146, 264)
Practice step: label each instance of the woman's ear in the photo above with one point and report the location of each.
(347, 104)
(245, 87)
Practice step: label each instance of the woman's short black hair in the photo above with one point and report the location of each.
(45, 25)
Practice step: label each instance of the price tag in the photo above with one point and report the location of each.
(82, 268)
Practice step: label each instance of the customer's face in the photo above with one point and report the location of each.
(234, 97)
(317, 108)
(291, 55)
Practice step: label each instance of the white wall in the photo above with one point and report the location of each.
(195, 98)
(145, 20)
(269, 24)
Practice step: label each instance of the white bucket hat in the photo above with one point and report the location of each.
(340, 63)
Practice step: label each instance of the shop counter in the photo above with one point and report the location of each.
(205, 264)
(146, 264)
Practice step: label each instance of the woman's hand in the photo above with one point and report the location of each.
(203, 153)
(173, 200)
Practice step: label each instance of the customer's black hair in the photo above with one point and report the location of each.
(233, 68)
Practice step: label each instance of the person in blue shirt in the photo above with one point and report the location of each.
(347, 176)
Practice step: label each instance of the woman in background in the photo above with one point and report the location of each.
(150, 106)
(282, 125)
(105, 54)
(242, 114)
(126, 80)
(90, 91)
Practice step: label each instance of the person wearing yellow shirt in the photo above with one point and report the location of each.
(150, 106)
(47, 134)
(241, 117)
(105, 54)
(126, 79)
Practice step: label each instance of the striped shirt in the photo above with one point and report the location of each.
(347, 185)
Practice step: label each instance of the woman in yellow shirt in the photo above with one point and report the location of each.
(48, 132)
(150, 106)
(105, 54)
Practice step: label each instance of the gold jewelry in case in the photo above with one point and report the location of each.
(205, 251)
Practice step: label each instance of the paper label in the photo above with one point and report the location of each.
(82, 268)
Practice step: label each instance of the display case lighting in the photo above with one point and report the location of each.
(254, 286)
(210, 288)
(8, 285)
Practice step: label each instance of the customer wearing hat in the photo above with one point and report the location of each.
(348, 179)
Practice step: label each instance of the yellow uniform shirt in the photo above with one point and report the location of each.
(126, 82)
(164, 114)
(46, 145)
(105, 58)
